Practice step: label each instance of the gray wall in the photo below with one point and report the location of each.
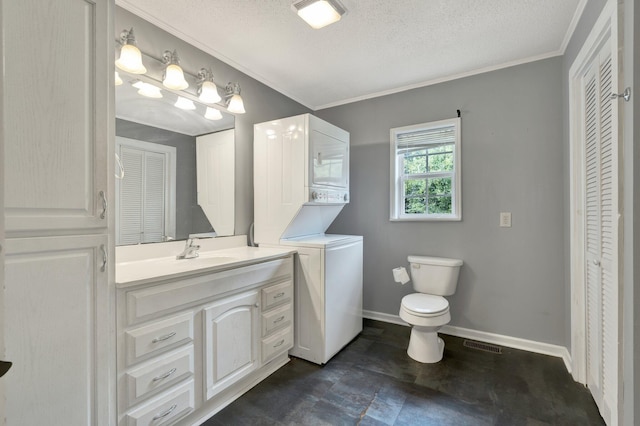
(190, 218)
(261, 102)
(512, 282)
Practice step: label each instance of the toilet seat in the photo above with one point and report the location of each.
(425, 305)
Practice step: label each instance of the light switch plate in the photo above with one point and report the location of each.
(505, 219)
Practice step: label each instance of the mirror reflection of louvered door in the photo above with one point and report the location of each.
(142, 202)
(601, 231)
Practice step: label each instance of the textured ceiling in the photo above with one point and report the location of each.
(379, 46)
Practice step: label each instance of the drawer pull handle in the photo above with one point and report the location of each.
(280, 343)
(165, 375)
(279, 295)
(278, 320)
(163, 338)
(166, 413)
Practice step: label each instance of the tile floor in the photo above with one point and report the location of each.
(373, 382)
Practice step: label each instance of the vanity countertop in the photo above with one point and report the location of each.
(147, 270)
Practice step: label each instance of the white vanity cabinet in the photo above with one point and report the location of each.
(190, 345)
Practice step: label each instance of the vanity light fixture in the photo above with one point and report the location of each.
(184, 103)
(148, 90)
(207, 89)
(173, 77)
(167, 70)
(130, 59)
(213, 114)
(234, 102)
(319, 13)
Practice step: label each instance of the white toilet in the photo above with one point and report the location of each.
(427, 311)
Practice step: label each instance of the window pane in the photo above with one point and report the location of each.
(441, 162)
(413, 187)
(440, 204)
(440, 186)
(415, 162)
(415, 205)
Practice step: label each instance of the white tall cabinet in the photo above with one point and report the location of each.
(57, 133)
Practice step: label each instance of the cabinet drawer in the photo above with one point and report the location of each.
(280, 342)
(143, 342)
(277, 294)
(165, 409)
(157, 375)
(276, 318)
(151, 302)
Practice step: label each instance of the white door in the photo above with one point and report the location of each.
(55, 304)
(57, 291)
(596, 156)
(55, 129)
(215, 157)
(145, 195)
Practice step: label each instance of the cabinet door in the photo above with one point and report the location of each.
(56, 126)
(56, 329)
(232, 338)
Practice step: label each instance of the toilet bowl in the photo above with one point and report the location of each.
(427, 311)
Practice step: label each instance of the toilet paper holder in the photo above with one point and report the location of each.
(400, 275)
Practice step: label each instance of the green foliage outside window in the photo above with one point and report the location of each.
(426, 190)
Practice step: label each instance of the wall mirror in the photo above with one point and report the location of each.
(157, 194)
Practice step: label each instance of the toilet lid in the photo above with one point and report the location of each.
(425, 304)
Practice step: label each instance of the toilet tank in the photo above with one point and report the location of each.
(434, 275)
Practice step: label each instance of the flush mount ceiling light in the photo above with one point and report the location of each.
(234, 102)
(130, 56)
(319, 13)
(207, 90)
(173, 74)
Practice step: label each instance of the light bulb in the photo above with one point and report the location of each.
(236, 105)
(209, 93)
(118, 80)
(174, 78)
(131, 60)
(184, 103)
(148, 90)
(213, 114)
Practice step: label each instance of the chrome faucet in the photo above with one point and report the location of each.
(190, 250)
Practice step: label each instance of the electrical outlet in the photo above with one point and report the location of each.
(505, 219)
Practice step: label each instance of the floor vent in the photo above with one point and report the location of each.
(483, 346)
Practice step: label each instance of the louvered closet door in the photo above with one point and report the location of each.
(142, 203)
(601, 233)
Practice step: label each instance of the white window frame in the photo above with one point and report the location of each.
(397, 199)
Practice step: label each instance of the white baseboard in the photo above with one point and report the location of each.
(483, 336)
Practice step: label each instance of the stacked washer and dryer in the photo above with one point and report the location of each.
(301, 183)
